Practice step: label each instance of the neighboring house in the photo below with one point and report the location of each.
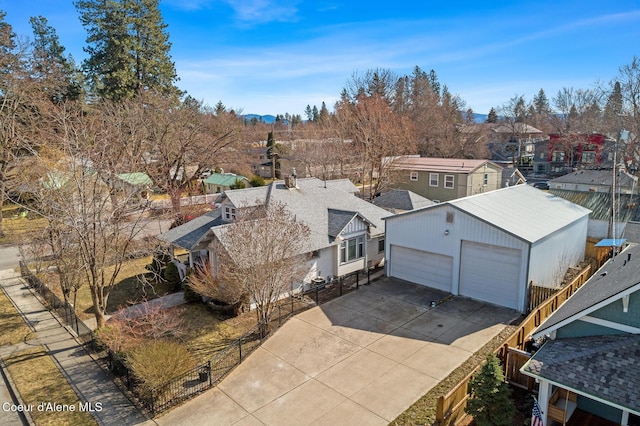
(596, 181)
(563, 153)
(488, 246)
(592, 189)
(512, 176)
(137, 183)
(220, 182)
(346, 232)
(400, 200)
(444, 179)
(592, 350)
(513, 142)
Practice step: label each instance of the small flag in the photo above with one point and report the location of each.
(536, 414)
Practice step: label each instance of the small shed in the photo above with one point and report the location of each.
(488, 246)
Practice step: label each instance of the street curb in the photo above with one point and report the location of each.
(15, 395)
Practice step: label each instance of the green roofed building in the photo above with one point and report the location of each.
(220, 182)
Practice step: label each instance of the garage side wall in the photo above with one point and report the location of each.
(551, 256)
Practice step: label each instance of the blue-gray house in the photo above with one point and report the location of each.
(589, 361)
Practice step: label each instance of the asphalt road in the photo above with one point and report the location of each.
(9, 257)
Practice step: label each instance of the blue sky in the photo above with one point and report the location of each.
(277, 56)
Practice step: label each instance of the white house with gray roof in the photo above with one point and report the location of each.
(592, 347)
(346, 232)
(488, 246)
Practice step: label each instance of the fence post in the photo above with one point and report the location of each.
(368, 276)
(317, 304)
(357, 280)
(240, 343)
(340, 286)
(279, 316)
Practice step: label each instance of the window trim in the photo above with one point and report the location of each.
(437, 179)
(352, 249)
(485, 179)
(230, 213)
(413, 176)
(449, 185)
(381, 245)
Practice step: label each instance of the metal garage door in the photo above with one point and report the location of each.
(490, 273)
(421, 267)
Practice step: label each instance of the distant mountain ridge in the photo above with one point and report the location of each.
(270, 119)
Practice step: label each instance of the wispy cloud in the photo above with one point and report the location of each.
(261, 11)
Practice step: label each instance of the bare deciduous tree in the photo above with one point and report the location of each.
(262, 253)
(91, 221)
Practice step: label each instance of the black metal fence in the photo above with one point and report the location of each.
(208, 374)
(63, 310)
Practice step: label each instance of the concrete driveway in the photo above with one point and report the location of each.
(360, 359)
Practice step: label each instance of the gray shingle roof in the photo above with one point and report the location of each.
(311, 202)
(401, 199)
(189, 234)
(601, 366)
(597, 177)
(338, 219)
(610, 283)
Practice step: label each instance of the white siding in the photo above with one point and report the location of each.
(374, 256)
(426, 231)
(551, 256)
(322, 266)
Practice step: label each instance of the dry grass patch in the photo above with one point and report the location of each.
(131, 287)
(207, 333)
(14, 329)
(39, 381)
(16, 228)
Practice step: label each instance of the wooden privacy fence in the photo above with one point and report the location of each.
(450, 407)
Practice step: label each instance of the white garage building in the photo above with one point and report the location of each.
(488, 246)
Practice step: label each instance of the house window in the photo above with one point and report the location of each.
(434, 179)
(413, 176)
(380, 245)
(448, 181)
(557, 156)
(352, 249)
(485, 179)
(315, 254)
(230, 213)
(588, 157)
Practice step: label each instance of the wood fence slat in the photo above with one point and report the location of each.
(449, 406)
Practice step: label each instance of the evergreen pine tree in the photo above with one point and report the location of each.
(270, 143)
(128, 48)
(541, 103)
(490, 403)
(62, 80)
(492, 117)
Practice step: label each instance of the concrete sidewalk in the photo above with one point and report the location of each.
(85, 376)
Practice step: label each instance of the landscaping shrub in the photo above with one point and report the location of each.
(257, 181)
(191, 296)
(490, 403)
(172, 276)
(156, 363)
(158, 264)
